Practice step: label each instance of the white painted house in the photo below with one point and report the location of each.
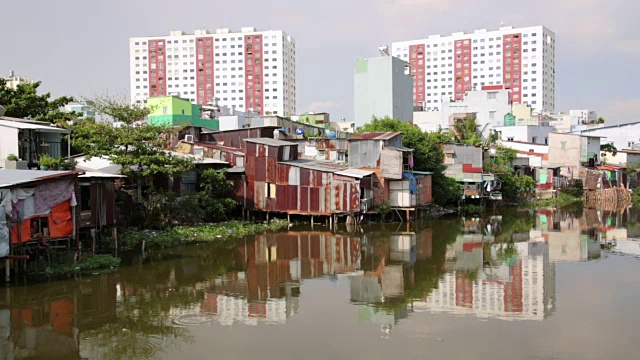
(623, 136)
(29, 139)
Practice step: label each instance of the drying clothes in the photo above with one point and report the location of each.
(5, 200)
(543, 178)
(52, 193)
(4, 234)
(21, 194)
(25, 232)
(411, 160)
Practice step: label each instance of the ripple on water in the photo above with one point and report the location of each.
(133, 346)
(194, 319)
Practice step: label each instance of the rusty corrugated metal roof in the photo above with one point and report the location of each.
(375, 135)
(233, 150)
(319, 165)
(270, 142)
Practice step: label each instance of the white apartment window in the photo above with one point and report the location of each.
(491, 95)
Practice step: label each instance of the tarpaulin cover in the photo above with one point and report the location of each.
(4, 234)
(413, 184)
(25, 232)
(60, 224)
(51, 193)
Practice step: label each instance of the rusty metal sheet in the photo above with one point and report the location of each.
(327, 206)
(282, 198)
(304, 199)
(251, 149)
(305, 177)
(283, 174)
(259, 195)
(272, 152)
(250, 168)
(260, 169)
(292, 197)
(337, 199)
(314, 199)
(354, 203)
(272, 169)
(262, 150)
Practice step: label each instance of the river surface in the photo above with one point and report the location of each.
(520, 285)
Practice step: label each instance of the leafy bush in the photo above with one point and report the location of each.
(575, 189)
(474, 209)
(12, 157)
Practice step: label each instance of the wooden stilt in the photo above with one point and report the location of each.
(331, 222)
(288, 218)
(114, 235)
(312, 221)
(7, 269)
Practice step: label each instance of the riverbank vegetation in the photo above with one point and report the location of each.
(63, 264)
(180, 235)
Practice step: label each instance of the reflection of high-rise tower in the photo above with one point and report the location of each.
(523, 288)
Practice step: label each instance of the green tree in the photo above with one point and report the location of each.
(214, 195)
(119, 108)
(601, 120)
(138, 149)
(467, 132)
(514, 188)
(25, 102)
(427, 155)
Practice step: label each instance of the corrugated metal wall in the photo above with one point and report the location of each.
(364, 154)
(391, 164)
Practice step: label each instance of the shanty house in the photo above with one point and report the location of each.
(37, 208)
(276, 180)
(394, 180)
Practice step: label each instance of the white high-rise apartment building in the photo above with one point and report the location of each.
(519, 59)
(248, 70)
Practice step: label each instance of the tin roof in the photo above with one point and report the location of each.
(31, 126)
(399, 148)
(356, 173)
(319, 165)
(96, 174)
(375, 135)
(270, 142)
(17, 177)
(196, 160)
(233, 150)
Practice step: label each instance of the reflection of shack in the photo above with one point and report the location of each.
(467, 252)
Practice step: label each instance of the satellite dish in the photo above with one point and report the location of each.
(2, 110)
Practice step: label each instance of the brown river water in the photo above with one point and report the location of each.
(521, 285)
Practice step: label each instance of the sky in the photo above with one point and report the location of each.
(80, 47)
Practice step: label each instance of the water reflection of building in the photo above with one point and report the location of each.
(49, 326)
(520, 287)
(274, 266)
(568, 238)
(387, 273)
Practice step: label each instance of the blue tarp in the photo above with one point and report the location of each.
(413, 183)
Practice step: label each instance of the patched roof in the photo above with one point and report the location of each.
(355, 173)
(9, 177)
(270, 142)
(319, 165)
(375, 135)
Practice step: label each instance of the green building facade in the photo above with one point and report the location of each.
(174, 111)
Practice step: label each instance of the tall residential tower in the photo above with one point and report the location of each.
(519, 59)
(248, 70)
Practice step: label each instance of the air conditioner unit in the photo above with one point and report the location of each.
(188, 138)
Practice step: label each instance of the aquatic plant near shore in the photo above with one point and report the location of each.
(199, 233)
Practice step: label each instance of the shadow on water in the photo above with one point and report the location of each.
(498, 266)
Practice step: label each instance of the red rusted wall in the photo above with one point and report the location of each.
(426, 191)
